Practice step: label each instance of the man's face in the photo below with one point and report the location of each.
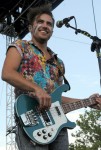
(42, 28)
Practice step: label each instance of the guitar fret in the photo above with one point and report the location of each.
(88, 102)
(79, 104)
(72, 106)
(66, 108)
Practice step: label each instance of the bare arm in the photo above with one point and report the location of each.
(10, 75)
(69, 100)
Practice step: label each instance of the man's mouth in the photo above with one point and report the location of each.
(44, 31)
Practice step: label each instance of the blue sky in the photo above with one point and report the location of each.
(81, 65)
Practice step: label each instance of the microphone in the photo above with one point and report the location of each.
(60, 23)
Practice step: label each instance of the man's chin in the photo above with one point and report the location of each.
(43, 40)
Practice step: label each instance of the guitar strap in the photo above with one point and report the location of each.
(60, 72)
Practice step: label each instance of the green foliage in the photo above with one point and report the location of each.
(88, 137)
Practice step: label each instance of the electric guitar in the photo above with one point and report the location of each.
(43, 127)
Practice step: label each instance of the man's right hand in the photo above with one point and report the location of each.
(43, 98)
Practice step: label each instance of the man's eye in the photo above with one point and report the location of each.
(40, 21)
(50, 24)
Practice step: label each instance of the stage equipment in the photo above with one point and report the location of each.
(13, 20)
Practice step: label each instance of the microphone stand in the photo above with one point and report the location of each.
(95, 46)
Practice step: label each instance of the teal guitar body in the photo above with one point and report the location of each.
(42, 127)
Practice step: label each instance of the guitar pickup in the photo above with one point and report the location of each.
(45, 118)
(29, 118)
(58, 111)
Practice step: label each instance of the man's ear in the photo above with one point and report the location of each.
(30, 28)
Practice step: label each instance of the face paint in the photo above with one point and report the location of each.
(36, 28)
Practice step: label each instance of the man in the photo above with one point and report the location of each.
(33, 68)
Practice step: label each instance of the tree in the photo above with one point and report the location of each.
(88, 137)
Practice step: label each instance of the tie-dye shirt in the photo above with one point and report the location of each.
(36, 68)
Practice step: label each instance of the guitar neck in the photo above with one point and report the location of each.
(67, 107)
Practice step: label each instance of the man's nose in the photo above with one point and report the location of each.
(45, 24)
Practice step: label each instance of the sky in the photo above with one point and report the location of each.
(81, 65)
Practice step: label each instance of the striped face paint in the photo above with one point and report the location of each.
(37, 27)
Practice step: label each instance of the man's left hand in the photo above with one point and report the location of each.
(97, 97)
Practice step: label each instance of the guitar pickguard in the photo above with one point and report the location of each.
(49, 131)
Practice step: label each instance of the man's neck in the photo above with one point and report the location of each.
(41, 46)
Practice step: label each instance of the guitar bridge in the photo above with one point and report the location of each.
(29, 118)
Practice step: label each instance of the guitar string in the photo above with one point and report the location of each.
(71, 106)
(53, 110)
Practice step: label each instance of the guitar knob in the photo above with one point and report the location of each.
(45, 137)
(49, 134)
(44, 131)
(39, 133)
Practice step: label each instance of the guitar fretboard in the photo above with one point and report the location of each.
(77, 105)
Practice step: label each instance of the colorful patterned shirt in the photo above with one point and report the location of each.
(35, 68)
